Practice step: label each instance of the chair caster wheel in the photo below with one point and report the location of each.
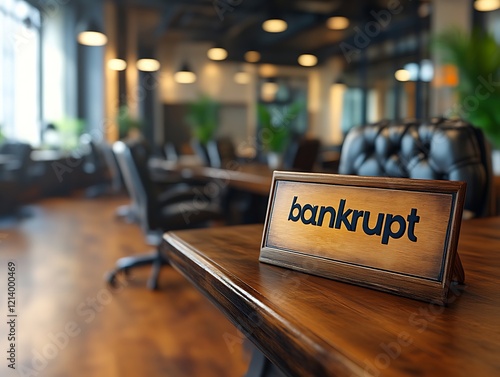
(111, 279)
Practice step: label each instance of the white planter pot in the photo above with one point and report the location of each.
(274, 160)
(495, 161)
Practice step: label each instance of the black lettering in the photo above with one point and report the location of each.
(312, 219)
(389, 220)
(412, 220)
(323, 211)
(343, 216)
(355, 217)
(378, 227)
(294, 206)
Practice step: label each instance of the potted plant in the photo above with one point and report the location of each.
(128, 126)
(203, 118)
(69, 131)
(477, 59)
(276, 129)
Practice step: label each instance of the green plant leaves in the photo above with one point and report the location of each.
(276, 124)
(477, 58)
(203, 117)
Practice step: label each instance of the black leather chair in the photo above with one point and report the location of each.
(301, 154)
(437, 149)
(179, 207)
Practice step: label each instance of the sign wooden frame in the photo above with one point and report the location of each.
(419, 262)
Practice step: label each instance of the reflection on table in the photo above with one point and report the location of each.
(311, 326)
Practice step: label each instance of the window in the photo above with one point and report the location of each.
(20, 71)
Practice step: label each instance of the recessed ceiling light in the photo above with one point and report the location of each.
(402, 75)
(486, 5)
(307, 60)
(337, 23)
(274, 25)
(117, 64)
(217, 53)
(252, 56)
(148, 65)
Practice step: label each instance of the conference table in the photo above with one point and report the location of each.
(311, 326)
(252, 177)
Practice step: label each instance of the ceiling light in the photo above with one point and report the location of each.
(117, 64)
(486, 5)
(92, 38)
(252, 56)
(337, 23)
(242, 77)
(268, 70)
(185, 75)
(90, 34)
(268, 90)
(217, 53)
(402, 75)
(307, 60)
(148, 65)
(274, 25)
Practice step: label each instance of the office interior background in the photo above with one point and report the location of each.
(145, 63)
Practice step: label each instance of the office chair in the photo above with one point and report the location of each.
(301, 154)
(179, 207)
(438, 149)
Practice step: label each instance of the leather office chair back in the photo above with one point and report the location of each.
(133, 179)
(439, 149)
(221, 152)
(301, 154)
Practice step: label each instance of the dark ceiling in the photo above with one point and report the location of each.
(236, 24)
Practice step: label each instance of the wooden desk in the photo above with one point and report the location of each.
(254, 178)
(311, 326)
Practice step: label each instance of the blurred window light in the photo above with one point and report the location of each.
(413, 69)
(426, 70)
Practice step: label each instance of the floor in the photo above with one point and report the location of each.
(71, 324)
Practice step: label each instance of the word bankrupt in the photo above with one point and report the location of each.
(349, 218)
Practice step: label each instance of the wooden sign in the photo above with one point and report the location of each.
(391, 234)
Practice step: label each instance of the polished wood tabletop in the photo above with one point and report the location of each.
(312, 326)
(251, 177)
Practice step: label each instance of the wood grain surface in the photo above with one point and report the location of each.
(398, 235)
(312, 326)
(255, 178)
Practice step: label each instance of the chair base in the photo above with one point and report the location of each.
(123, 266)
